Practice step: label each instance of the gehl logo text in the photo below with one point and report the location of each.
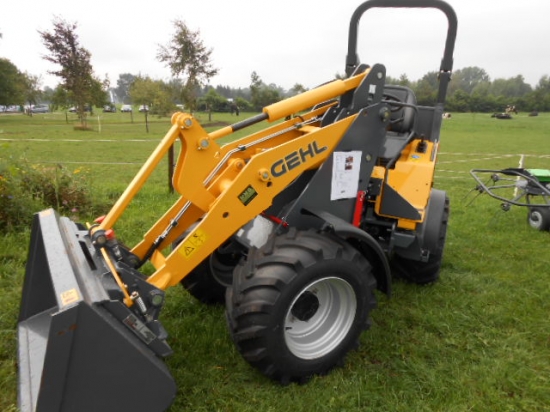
(295, 159)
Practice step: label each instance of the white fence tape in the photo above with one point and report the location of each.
(459, 174)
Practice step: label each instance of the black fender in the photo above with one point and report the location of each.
(364, 242)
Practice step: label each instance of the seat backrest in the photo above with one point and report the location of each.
(402, 119)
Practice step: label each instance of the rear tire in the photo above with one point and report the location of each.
(427, 272)
(539, 218)
(208, 281)
(299, 304)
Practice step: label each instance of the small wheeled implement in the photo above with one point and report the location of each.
(518, 187)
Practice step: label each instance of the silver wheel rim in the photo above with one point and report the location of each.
(320, 318)
(535, 219)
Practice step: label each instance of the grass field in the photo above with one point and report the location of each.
(477, 340)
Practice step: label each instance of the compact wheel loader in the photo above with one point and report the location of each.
(295, 227)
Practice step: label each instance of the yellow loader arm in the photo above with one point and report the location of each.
(233, 183)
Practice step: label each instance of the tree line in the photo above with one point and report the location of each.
(132, 89)
(471, 88)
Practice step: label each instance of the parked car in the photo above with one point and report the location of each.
(40, 108)
(13, 109)
(109, 108)
(126, 108)
(86, 109)
(143, 108)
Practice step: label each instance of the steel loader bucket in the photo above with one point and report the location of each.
(76, 350)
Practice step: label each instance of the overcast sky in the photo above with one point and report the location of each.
(284, 41)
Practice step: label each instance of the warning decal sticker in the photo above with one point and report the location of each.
(69, 296)
(193, 242)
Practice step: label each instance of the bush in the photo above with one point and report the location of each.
(26, 189)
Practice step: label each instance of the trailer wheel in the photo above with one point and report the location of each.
(436, 232)
(539, 218)
(299, 304)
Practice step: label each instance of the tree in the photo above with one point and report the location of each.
(47, 95)
(153, 93)
(260, 94)
(404, 80)
(426, 89)
(243, 104)
(59, 97)
(214, 102)
(255, 86)
(459, 101)
(12, 84)
(224, 91)
(124, 83)
(467, 79)
(75, 69)
(541, 95)
(99, 92)
(32, 89)
(296, 89)
(186, 55)
(175, 86)
(511, 88)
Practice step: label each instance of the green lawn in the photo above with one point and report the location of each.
(477, 340)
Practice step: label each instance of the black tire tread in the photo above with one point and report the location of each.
(423, 273)
(544, 214)
(202, 283)
(255, 291)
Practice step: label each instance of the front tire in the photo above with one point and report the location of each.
(299, 304)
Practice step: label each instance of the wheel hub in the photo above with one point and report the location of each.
(320, 317)
(305, 307)
(535, 219)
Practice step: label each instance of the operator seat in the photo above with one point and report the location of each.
(402, 121)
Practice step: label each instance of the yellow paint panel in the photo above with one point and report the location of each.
(193, 243)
